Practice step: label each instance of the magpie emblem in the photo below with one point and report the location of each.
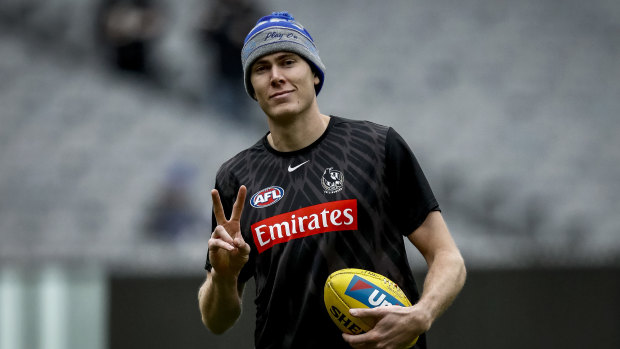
(332, 180)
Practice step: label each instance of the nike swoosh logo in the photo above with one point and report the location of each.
(291, 169)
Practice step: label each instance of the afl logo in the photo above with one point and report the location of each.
(332, 180)
(267, 197)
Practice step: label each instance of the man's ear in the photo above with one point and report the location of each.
(317, 80)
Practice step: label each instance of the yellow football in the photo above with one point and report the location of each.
(358, 288)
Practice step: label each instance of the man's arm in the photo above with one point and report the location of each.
(219, 298)
(446, 269)
(397, 327)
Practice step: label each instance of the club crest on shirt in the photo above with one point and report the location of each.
(332, 180)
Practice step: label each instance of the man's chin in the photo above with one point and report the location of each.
(282, 112)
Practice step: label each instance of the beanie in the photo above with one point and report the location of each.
(279, 32)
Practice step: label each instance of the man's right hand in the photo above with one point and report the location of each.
(228, 252)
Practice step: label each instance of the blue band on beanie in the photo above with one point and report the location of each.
(280, 19)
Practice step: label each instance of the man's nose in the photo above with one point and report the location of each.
(276, 76)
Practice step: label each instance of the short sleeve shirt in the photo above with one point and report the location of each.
(345, 201)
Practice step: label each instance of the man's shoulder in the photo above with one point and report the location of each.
(359, 124)
(361, 128)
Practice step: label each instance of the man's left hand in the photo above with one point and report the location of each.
(395, 327)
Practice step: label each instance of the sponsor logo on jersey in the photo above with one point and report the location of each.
(312, 220)
(332, 180)
(267, 197)
(370, 294)
(293, 168)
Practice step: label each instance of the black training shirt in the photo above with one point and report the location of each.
(345, 201)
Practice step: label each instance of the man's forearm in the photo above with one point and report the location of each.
(444, 280)
(220, 302)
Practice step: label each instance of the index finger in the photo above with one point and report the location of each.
(218, 209)
(369, 315)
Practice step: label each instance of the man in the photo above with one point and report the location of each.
(325, 193)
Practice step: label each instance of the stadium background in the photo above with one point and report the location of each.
(511, 107)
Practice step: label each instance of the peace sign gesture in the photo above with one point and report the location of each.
(228, 252)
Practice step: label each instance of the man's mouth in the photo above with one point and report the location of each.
(279, 94)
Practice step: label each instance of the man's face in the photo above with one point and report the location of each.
(283, 84)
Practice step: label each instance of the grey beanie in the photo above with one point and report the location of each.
(279, 32)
